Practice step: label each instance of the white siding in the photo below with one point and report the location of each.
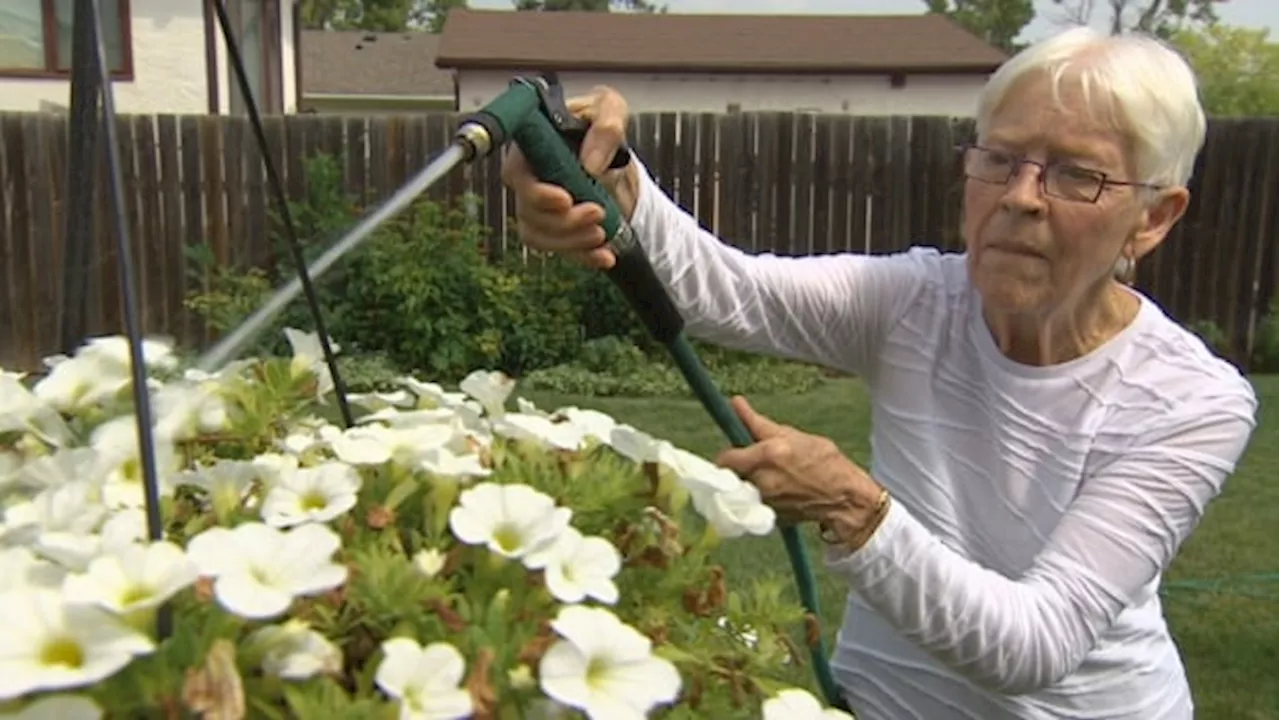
(168, 66)
(953, 95)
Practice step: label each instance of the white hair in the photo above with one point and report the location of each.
(1146, 88)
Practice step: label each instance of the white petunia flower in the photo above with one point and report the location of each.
(22, 411)
(57, 707)
(577, 567)
(797, 704)
(425, 680)
(308, 357)
(447, 463)
(272, 467)
(21, 568)
(557, 435)
(227, 482)
(120, 462)
(593, 423)
(311, 494)
(511, 520)
(258, 570)
(429, 561)
(100, 370)
(431, 395)
(134, 578)
(397, 418)
(731, 504)
(736, 512)
(184, 410)
(292, 650)
(58, 467)
(378, 444)
(526, 407)
(51, 645)
(636, 445)
(59, 523)
(374, 401)
(604, 667)
(489, 388)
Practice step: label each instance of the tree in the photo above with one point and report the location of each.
(376, 15)
(435, 12)
(1238, 69)
(588, 5)
(998, 22)
(1157, 17)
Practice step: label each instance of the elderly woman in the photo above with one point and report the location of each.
(1045, 437)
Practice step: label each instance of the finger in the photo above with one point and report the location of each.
(760, 427)
(582, 106)
(529, 191)
(578, 242)
(580, 220)
(744, 461)
(607, 133)
(601, 258)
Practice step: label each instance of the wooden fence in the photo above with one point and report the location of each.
(787, 183)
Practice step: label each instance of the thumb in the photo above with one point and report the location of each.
(760, 427)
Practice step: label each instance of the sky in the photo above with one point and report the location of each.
(1250, 13)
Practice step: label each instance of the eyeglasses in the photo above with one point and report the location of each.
(1060, 180)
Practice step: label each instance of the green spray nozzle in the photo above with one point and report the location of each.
(532, 114)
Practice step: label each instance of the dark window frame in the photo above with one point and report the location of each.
(50, 70)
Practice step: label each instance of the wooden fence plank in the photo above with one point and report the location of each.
(19, 261)
(152, 240)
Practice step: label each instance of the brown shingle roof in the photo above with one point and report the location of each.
(711, 43)
(350, 62)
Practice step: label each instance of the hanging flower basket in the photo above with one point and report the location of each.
(448, 556)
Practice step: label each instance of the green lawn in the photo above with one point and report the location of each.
(1224, 620)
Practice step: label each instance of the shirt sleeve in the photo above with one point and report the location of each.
(1020, 634)
(831, 310)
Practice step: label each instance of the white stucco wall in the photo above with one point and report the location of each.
(953, 95)
(168, 66)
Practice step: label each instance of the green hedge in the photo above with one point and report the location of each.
(422, 293)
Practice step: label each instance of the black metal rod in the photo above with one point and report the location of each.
(132, 315)
(277, 190)
(82, 145)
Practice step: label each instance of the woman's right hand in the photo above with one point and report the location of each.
(547, 217)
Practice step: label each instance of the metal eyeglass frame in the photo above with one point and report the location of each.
(1102, 179)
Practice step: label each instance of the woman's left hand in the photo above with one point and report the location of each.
(803, 477)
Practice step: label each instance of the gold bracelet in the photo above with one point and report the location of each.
(878, 513)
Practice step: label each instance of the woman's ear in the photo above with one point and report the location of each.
(1158, 217)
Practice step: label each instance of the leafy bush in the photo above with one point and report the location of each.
(446, 557)
(1266, 346)
(615, 367)
(1213, 336)
(422, 291)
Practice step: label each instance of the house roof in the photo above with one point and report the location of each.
(658, 42)
(353, 62)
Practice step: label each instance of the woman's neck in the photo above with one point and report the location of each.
(1041, 341)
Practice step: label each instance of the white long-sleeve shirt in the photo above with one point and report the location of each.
(1036, 508)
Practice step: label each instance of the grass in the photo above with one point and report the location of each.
(1224, 622)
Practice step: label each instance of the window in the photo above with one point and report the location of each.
(256, 24)
(36, 37)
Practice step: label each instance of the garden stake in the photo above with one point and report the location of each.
(532, 113)
(92, 54)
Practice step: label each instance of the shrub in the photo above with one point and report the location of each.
(422, 292)
(1266, 346)
(445, 556)
(612, 366)
(1214, 337)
